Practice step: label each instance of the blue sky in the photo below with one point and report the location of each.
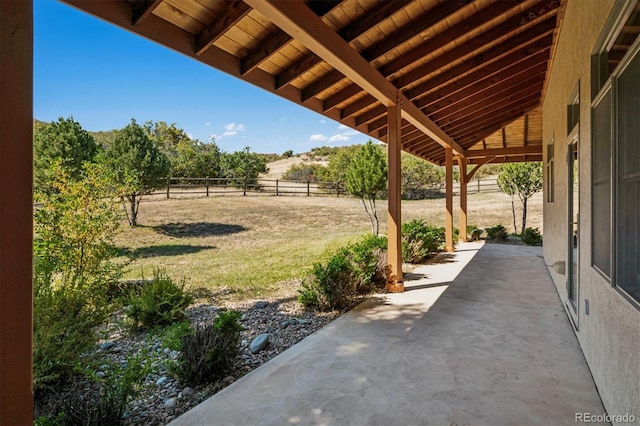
(103, 76)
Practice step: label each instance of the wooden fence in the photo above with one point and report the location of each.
(180, 187)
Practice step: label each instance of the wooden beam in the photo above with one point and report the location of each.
(142, 10)
(394, 215)
(278, 39)
(233, 13)
(16, 212)
(481, 162)
(448, 230)
(349, 33)
(459, 91)
(501, 152)
(357, 106)
(296, 19)
(438, 41)
(526, 51)
(462, 168)
(485, 39)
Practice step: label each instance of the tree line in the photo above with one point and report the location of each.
(138, 158)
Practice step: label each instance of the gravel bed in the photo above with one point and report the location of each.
(162, 397)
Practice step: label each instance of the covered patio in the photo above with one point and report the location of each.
(479, 337)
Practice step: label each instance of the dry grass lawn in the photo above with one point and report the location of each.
(255, 246)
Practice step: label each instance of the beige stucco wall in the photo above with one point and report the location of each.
(610, 334)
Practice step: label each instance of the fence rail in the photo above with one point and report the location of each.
(206, 186)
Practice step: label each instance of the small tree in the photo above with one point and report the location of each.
(243, 166)
(366, 177)
(138, 164)
(523, 180)
(418, 177)
(63, 140)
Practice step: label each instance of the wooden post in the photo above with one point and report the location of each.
(244, 187)
(168, 185)
(16, 212)
(448, 231)
(308, 188)
(207, 183)
(394, 216)
(277, 188)
(462, 165)
(478, 186)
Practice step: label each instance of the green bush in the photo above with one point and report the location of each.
(210, 350)
(159, 302)
(531, 237)
(497, 233)
(94, 401)
(351, 271)
(63, 329)
(313, 172)
(420, 240)
(172, 335)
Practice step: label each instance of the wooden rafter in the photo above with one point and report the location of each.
(142, 9)
(386, 44)
(279, 39)
(349, 33)
(234, 11)
(297, 20)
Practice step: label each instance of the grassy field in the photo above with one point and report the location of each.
(256, 246)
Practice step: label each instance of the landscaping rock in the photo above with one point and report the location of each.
(162, 380)
(171, 403)
(187, 392)
(259, 343)
(262, 305)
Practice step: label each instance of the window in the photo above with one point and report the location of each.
(550, 174)
(615, 113)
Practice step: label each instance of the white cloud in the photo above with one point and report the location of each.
(338, 138)
(342, 127)
(233, 127)
(318, 137)
(190, 135)
(323, 121)
(230, 133)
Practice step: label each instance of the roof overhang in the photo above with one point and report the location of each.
(468, 75)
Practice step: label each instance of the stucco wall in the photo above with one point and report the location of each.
(610, 333)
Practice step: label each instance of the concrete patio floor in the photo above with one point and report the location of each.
(478, 338)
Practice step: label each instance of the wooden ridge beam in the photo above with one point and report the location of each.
(349, 33)
(279, 39)
(509, 159)
(301, 23)
(233, 13)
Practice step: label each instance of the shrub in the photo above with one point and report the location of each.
(173, 334)
(531, 237)
(497, 232)
(159, 302)
(313, 172)
(64, 321)
(97, 401)
(420, 240)
(351, 271)
(210, 350)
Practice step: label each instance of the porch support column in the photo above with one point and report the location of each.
(394, 219)
(462, 166)
(448, 230)
(16, 211)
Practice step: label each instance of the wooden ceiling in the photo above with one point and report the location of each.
(468, 74)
